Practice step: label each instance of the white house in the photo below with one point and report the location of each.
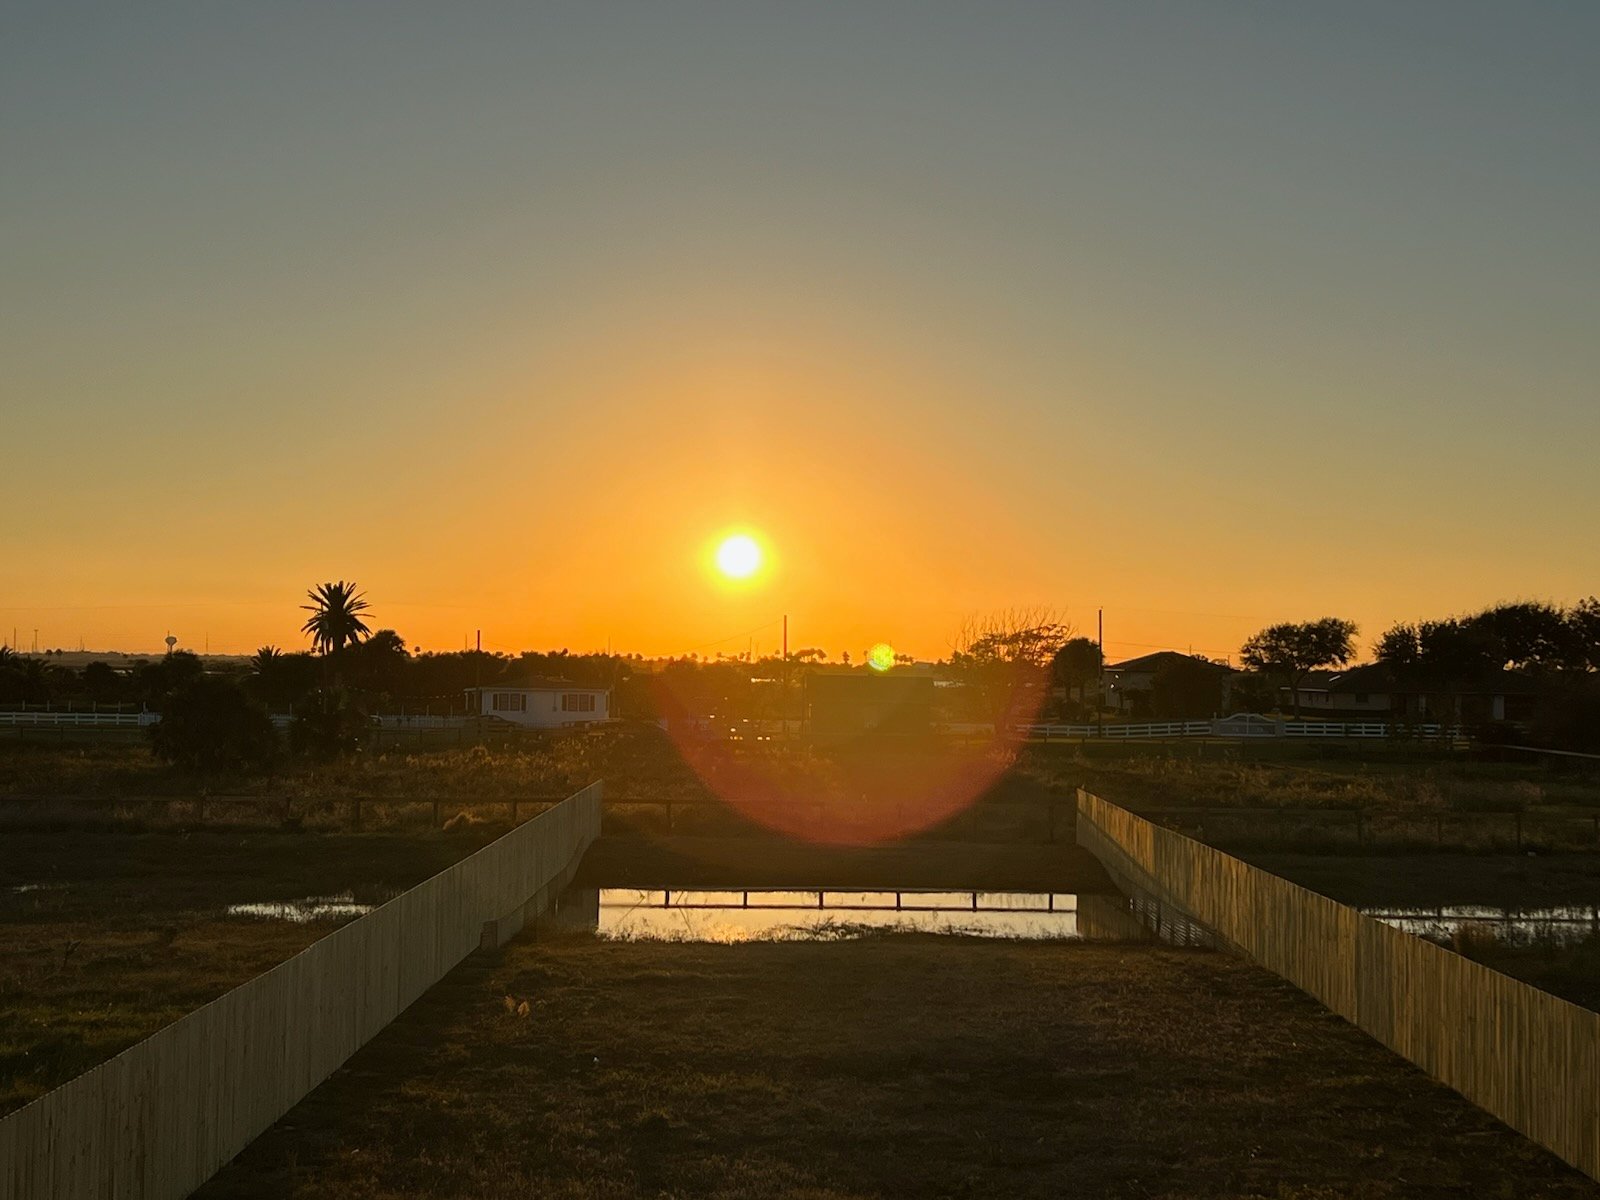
(542, 703)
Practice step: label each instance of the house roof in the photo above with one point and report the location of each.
(1384, 677)
(538, 684)
(1163, 658)
(1370, 677)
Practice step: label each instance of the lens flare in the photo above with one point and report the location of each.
(875, 772)
(739, 556)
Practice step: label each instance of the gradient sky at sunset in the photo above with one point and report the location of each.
(1213, 314)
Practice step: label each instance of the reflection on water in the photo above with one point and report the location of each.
(631, 914)
(309, 908)
(1562, 925)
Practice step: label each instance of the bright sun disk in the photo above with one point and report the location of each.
(738, 557)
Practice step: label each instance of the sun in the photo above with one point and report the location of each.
(739, 556)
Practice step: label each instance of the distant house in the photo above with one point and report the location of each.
(1128, 684)
(840, 706)
(1381, 691)
(542, 703)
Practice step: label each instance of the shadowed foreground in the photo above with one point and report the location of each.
(905, 1066)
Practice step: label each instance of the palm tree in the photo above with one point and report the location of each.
(335, 620)
(265, 659)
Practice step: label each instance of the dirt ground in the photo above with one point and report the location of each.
(903, 1066)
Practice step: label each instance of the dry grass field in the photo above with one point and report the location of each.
(1372, 776)
(106, 937)
(888, 1066)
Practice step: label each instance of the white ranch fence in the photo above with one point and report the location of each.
(1245, 725)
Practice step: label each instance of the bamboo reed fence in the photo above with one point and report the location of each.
(161, 1118)
(1525, 1056)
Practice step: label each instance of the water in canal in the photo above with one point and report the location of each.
(825, 914)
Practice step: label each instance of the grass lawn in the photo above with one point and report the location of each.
(900, 1066)
(106, 937)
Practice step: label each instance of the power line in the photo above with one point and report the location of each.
(732, 636)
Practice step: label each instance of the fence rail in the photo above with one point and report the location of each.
(159, 1119)
(1242, 726)
(1527, 1057)
(79, 720)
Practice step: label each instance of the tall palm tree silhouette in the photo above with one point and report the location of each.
(335, 620)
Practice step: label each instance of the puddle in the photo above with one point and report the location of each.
(762, 914)
(1562, 925)
(309, 908)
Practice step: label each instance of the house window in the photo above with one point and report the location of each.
(510, 702)
(577, 702)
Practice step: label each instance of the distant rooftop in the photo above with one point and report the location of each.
(538, 683)
(1163, 658)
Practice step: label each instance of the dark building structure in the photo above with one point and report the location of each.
(840, 707)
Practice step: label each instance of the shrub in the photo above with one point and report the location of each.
(210, 725)
(330, 724)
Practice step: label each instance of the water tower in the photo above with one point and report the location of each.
(171, 642)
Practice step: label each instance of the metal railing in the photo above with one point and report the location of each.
(79, 720)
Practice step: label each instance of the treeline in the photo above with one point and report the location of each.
(1542, 639)
(1550, 651)
(26, 679)
(380, 669)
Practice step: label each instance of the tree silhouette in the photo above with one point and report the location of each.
(1291, 650)
(335, 620)
(1076, 664)
(1005, 658)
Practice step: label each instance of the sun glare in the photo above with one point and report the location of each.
(739, 556)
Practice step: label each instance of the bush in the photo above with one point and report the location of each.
(211, 725)
(331, 724)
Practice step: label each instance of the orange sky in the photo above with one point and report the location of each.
(1212, 321)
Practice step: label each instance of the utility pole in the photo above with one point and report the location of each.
(1100, 645)
(783, 706)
